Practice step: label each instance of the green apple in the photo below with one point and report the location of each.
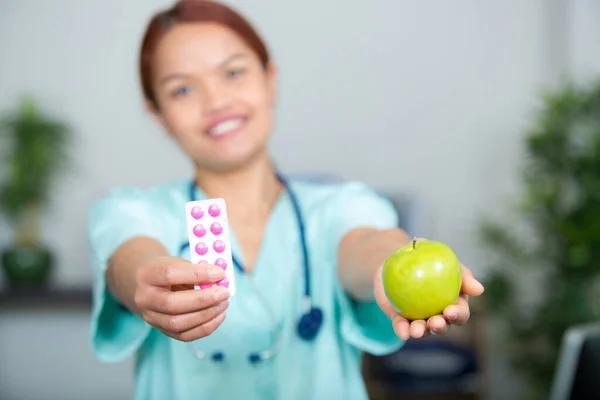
(422, 278)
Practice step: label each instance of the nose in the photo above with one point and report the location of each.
(217, 98)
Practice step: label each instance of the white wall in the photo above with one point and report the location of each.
(428, 98)
(584, 38)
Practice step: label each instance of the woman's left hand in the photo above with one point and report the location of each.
(457, 314)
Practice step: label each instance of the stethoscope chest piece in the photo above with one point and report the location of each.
(310, 323)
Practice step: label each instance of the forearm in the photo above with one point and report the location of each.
(361, 253)
(121, 272)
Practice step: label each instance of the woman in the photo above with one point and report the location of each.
(209, 81)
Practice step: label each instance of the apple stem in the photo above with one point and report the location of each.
(414, 243)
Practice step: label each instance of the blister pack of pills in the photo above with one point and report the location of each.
(208, 233)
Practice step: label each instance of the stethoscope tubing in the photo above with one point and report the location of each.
(311, 320)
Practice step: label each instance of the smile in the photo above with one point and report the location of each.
(226, 127)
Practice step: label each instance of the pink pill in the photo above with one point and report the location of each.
(197, 212)
(216, 228)
(202, 262)
(221, 263)
(205, 285)
(219, 246)
(201, 248)
(214, 210)
(199, 230)
(223, 282)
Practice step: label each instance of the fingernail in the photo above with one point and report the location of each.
(216, 273)
(221, 293)
(223, 305)
(452, 315)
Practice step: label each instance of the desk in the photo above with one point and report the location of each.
(46, 297)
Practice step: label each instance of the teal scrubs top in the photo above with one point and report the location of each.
(329, 367)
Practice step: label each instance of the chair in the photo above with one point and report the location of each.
(577, 374)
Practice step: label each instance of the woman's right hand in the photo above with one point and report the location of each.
(166, 299)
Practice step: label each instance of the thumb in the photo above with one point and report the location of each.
(470, 285)
(381, 298)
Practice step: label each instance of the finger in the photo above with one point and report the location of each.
(459, 313)
(401, 327)
(470, 285)
(437, 325)
(183, 273)
(186, 301)
(184, 322)
(202, 330)
(418, 329)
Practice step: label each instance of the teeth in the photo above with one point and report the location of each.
(225, 127)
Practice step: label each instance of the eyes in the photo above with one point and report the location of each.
(234, 72)
(229, 74)
(182, 91)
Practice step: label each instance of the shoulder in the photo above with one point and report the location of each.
(333, 209)
(157, 196)
(131, 204)
(343, 206)
(128, 211)
(336, 195)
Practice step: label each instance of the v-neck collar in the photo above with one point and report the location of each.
(236, 248)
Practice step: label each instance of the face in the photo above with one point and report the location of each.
(213, 95)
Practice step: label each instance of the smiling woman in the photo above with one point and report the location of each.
(197, 57)
(309, 296)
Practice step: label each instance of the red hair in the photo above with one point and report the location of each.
(187, 11)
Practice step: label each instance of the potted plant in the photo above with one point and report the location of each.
(34, 150)
(560, 243)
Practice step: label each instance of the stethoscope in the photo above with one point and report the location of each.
(310, 322)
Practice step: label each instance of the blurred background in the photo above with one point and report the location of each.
(480, 120)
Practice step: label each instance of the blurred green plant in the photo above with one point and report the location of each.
(561, 211)
(34, 150)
